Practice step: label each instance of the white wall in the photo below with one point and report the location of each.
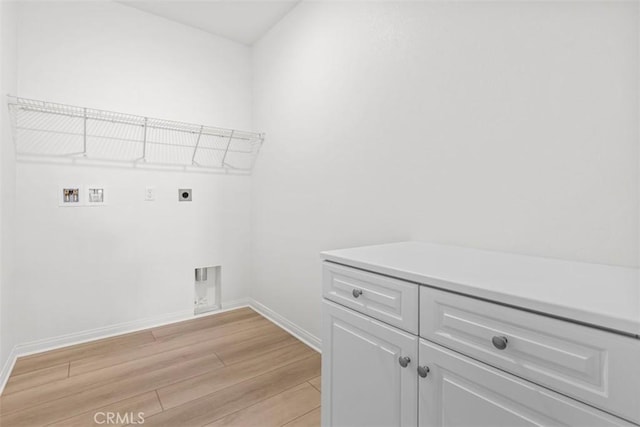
(504, 125)
(488, 124)
(84, 268)
(8, 83)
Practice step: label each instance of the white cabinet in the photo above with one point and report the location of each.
(461, 392)
(363, 382)
(488, 364)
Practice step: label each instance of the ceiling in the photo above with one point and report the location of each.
(243, 21)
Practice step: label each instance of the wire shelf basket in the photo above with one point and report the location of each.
(50, 129)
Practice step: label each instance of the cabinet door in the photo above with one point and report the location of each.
(459, 391)
(363, 382)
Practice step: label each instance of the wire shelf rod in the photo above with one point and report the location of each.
(134, 162)
(130, 140)
(78, 115)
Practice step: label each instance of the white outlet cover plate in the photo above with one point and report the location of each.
(95, 195)
(66, 202)
(150, 194)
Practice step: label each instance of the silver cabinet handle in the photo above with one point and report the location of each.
(356, 293)
(404, 361)
(499, 342)
(423, 371)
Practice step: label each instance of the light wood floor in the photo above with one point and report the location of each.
(234, 368)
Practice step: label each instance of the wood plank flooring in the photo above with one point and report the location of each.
(229, 369)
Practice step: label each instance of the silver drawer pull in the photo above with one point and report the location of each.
(423, 371)
(499, 342)
(404, 361)
(356, 293)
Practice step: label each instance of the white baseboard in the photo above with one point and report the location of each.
(48, 344)
(304, 336)
(7, 368)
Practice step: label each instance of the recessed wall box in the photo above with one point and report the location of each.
(96, 195)
(207, 289)
(70, 196)
(184, 195)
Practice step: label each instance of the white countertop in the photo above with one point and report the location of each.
(596, 294)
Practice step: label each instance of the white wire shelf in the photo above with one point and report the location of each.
(48, 129)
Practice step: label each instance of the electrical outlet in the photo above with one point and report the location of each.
(150, 194)
(184, 195)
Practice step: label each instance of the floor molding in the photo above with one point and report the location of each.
(81, 337)
(7, 368)
(298, 332)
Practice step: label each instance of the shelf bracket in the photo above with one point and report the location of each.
(144, 140)
(193, 157)
(227, 149)
(84, 134)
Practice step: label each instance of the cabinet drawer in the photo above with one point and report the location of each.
(597, 367)
(459, 391)
(391, 300)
